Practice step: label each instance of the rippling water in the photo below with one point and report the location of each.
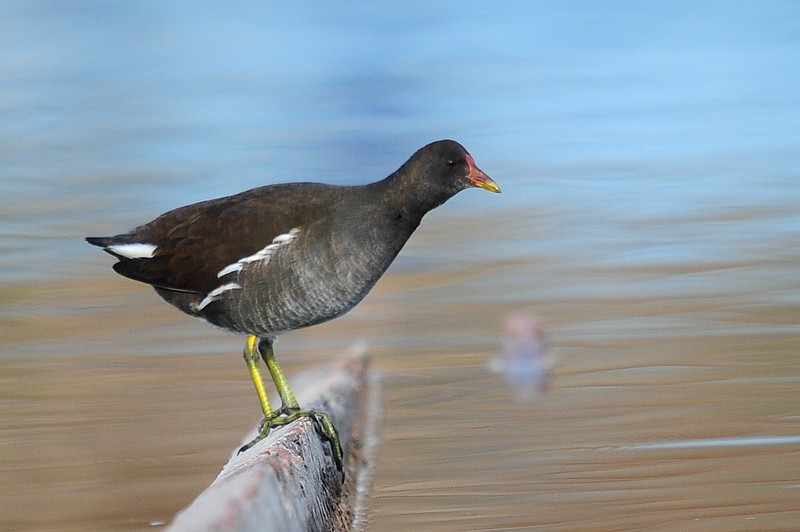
(650, 216)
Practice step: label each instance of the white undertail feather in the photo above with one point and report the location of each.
(261, 255)
(133, 251)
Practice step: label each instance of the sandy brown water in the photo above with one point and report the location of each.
(117, 410)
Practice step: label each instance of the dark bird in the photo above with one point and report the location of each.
(281, 257)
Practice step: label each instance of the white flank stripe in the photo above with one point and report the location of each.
(230, 268)
(286, 237)
(215, 293)
(134, 251)
(263, 254)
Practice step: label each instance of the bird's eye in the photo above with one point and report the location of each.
(451, 163)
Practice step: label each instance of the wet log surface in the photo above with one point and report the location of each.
(289, 481)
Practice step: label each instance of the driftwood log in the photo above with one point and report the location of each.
(289, 480)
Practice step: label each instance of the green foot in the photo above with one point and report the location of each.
(325, 428)
(263, 430)
(322, 423)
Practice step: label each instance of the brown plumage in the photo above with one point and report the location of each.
(344, 239)
(280, 257)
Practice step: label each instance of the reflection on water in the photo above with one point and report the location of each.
(650, 216)
(714, 442)
(524, 362)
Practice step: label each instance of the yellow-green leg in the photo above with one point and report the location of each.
(288, 401)
(290, 409)
(251, 357)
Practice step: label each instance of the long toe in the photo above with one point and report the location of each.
(263, 430)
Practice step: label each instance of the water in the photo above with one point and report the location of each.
(648, 156)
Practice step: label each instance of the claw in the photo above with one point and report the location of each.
(325, 428)
(323, 424)
(263, 430)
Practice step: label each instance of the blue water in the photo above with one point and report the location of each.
(639, 122)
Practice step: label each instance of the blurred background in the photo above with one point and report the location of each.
(650, 219)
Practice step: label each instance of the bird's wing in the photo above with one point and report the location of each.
(193, 244)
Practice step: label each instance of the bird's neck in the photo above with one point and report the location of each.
(406, 197)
